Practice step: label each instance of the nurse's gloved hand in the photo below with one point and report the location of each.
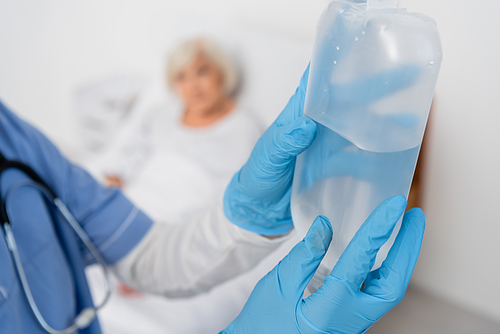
(340, 305)
(258, 197)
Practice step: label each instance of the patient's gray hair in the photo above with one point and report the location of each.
(189, 50)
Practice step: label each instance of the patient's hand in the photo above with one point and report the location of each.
(113, 181)
(126, 291)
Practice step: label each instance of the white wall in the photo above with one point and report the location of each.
(49, 47)
(460, 259)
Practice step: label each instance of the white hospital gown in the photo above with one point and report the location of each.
(175, 173)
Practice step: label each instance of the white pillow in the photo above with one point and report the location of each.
(271, 65)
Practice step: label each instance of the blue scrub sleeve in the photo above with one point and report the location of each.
(112, 222)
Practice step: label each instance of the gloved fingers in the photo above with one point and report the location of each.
(298, 267)
(373, 276)
(289, 141)
(295, 106)
(394, 275)
(359, 256)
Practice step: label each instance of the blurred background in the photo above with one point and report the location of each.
(50, 51)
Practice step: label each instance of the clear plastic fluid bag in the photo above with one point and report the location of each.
(371, 82)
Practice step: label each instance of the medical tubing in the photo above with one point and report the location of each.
(11, 243)
(87, 315)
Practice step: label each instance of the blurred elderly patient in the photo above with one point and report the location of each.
(179, 161)
(184, 156)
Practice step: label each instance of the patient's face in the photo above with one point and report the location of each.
(200, 86)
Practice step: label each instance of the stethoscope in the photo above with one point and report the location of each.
(87, 315)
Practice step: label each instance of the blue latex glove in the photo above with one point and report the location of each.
(258, 197)
(339, 306)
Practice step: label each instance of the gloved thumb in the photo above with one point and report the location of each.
(290, 140)
(298, 267)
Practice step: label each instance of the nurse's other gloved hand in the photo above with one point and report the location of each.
(340, 305)
(258, 197)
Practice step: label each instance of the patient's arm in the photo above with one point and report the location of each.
(185, 259)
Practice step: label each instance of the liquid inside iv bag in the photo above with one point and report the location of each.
(371, 83)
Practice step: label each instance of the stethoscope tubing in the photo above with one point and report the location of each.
(87, 315)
